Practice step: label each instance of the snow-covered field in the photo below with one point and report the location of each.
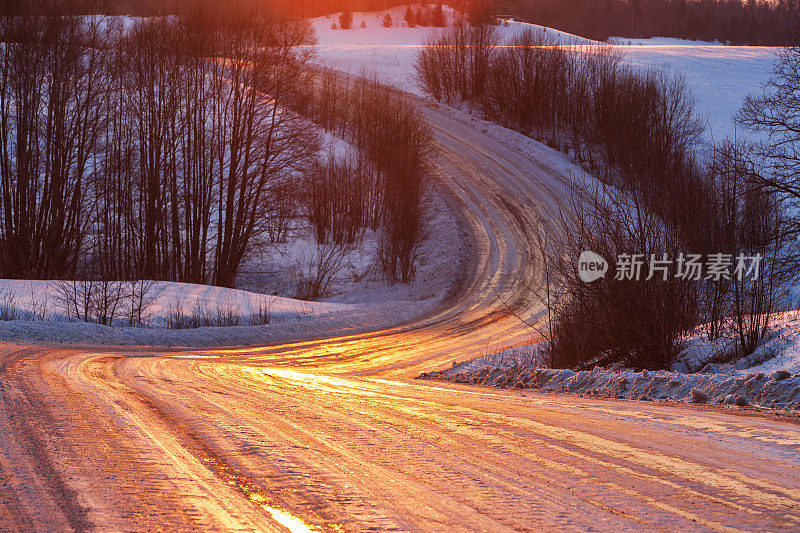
(720, 76)
(389, 52)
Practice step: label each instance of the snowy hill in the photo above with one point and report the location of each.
(720, 76)
(389, 52)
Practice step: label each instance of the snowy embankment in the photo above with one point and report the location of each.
(229, 317)
(43, 312)
(53, 301)
(768, 378)
(299, 328)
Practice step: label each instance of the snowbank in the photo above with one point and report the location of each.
(298, 328)
(780, 350)
(780, 390)
(768, 378)
(288, 319)
(362, 299)
(165, 298)
(34, 311)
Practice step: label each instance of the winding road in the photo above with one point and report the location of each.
(337, 435)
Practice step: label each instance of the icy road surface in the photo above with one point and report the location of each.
(336, 435)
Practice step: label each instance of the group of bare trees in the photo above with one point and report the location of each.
(383, 186)
(638, 132)
(581, 99)
(454, 66)
(299, 8)
(51, 101)
(152, 152)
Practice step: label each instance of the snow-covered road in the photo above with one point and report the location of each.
(336, 435)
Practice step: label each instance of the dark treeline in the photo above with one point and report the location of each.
(296, 8)
(637, 131)
(751, 22)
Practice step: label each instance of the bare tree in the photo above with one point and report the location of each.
(320, 268)
(776, 113)
(749, 221)
(140, 296)
(637, 320)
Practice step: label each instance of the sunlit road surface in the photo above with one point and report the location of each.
(336, 435)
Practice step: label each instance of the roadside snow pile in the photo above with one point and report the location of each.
(525, 356)
(780, 390)
(769, 377)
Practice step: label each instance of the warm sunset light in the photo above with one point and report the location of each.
(379, 265)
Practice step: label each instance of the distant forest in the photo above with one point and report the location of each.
(302, 8)
(753, 22)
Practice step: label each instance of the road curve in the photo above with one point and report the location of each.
(336, 435)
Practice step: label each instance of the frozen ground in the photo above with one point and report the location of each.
(720, 76)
